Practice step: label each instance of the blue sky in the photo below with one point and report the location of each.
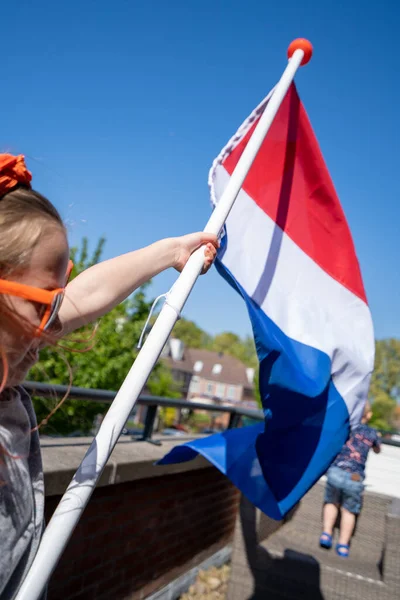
(121, 107)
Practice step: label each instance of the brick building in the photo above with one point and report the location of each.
(210, 375)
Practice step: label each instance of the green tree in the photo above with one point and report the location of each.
(383, 408)
(247, 352)
(80, 256)
(162, 383)
(232, 344)
(257, 395)
(385, 383)
(225, 342)
(102, 367)
(396, 418)
(191, 335)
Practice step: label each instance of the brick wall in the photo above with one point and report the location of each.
(136, 537)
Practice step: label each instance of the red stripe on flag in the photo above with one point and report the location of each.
(291, 183)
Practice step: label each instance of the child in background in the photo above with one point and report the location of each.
(344, 488)
(37, 306)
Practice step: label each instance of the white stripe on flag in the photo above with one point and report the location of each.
(306, 303)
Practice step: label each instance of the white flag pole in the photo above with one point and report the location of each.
(77, 495)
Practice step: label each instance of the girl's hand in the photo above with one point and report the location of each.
(187, 244)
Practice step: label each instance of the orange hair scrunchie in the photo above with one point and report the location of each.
(12, 172)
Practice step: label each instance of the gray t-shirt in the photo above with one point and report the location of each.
(21, 490)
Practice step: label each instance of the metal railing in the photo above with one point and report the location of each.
(153, 403)
(45, 390)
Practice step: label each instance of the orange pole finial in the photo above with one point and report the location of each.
(301, 44)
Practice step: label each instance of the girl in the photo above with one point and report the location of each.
(36, 307)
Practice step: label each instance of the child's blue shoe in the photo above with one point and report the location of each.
(325, 541)
(342, 550)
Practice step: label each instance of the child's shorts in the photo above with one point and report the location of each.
(341, 489)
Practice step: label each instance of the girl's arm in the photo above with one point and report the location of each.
(102, 287)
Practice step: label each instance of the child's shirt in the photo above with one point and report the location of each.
(354, 454)
(21, 491)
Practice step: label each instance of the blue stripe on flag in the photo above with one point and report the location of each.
(276, 462)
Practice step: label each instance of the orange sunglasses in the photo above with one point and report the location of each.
(51, 298)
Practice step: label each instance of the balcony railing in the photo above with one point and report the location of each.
(153, 403)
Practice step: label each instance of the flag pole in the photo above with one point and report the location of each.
(79, 491)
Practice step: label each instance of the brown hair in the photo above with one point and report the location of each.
(23, 212)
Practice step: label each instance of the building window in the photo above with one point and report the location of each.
(198, 365)
(216, 370)
(220, 390)
(210, 388)
(194, 384)
(231, 394)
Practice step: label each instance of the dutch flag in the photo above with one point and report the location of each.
(288, 251)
